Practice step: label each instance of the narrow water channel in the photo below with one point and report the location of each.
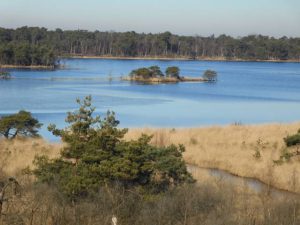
(250, 183)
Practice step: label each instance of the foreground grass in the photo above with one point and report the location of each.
(212, 201)
(19, 153)
(232, 148)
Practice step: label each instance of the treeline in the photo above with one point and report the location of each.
(25, 54)
(23, 47)
(27, 44)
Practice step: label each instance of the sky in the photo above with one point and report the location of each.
(184, 17)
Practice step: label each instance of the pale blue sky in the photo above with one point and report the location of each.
(189, 17)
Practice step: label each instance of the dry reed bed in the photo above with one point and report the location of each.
(229, 148)
(15, 155)
(232, 148)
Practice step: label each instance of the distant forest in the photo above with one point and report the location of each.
(39, 46)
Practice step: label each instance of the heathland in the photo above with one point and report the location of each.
(211, 201)
(232, 148)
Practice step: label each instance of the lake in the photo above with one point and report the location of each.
(246, 92)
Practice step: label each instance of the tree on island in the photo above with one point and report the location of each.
(173, 71)
(210, 75)
(96, 155)
(19, 124)
(141, 72)
(156, 71)
(146, 73)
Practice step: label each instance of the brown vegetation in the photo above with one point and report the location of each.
(244, 150)
(232, 148)
(19, 153)
(212, 201)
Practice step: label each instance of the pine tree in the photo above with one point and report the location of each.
(96, 155)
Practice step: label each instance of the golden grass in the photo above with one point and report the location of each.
(229, 148)
(232, 148)
(19, 154)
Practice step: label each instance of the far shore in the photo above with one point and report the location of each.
(27, 67)
(213, 59)
(222, 59)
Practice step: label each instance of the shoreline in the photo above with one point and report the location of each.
(27, 67)
(213, 59)
(163, 80)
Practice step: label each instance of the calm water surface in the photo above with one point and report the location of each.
(246, 92)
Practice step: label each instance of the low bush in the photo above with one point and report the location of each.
(292, 140)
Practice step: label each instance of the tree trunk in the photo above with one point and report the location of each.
(6, 133)
(15, 134)
(1, 203)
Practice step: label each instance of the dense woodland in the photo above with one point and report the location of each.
(39, 46)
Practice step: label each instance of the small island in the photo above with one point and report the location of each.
(5, 75)
(153, 74)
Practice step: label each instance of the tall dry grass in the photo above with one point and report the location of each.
(235, 149)
(15, 155)
(214, 202)
(231, 148)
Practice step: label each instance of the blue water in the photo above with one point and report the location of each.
(246, 92)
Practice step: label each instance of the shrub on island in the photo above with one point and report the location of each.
(173, 71)
(210, 75)
(146, 73)
(5, 76)
(154, 74)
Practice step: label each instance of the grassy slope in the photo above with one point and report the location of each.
(229, 148)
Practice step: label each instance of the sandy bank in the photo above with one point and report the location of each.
(179, 58)
(163, 79)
